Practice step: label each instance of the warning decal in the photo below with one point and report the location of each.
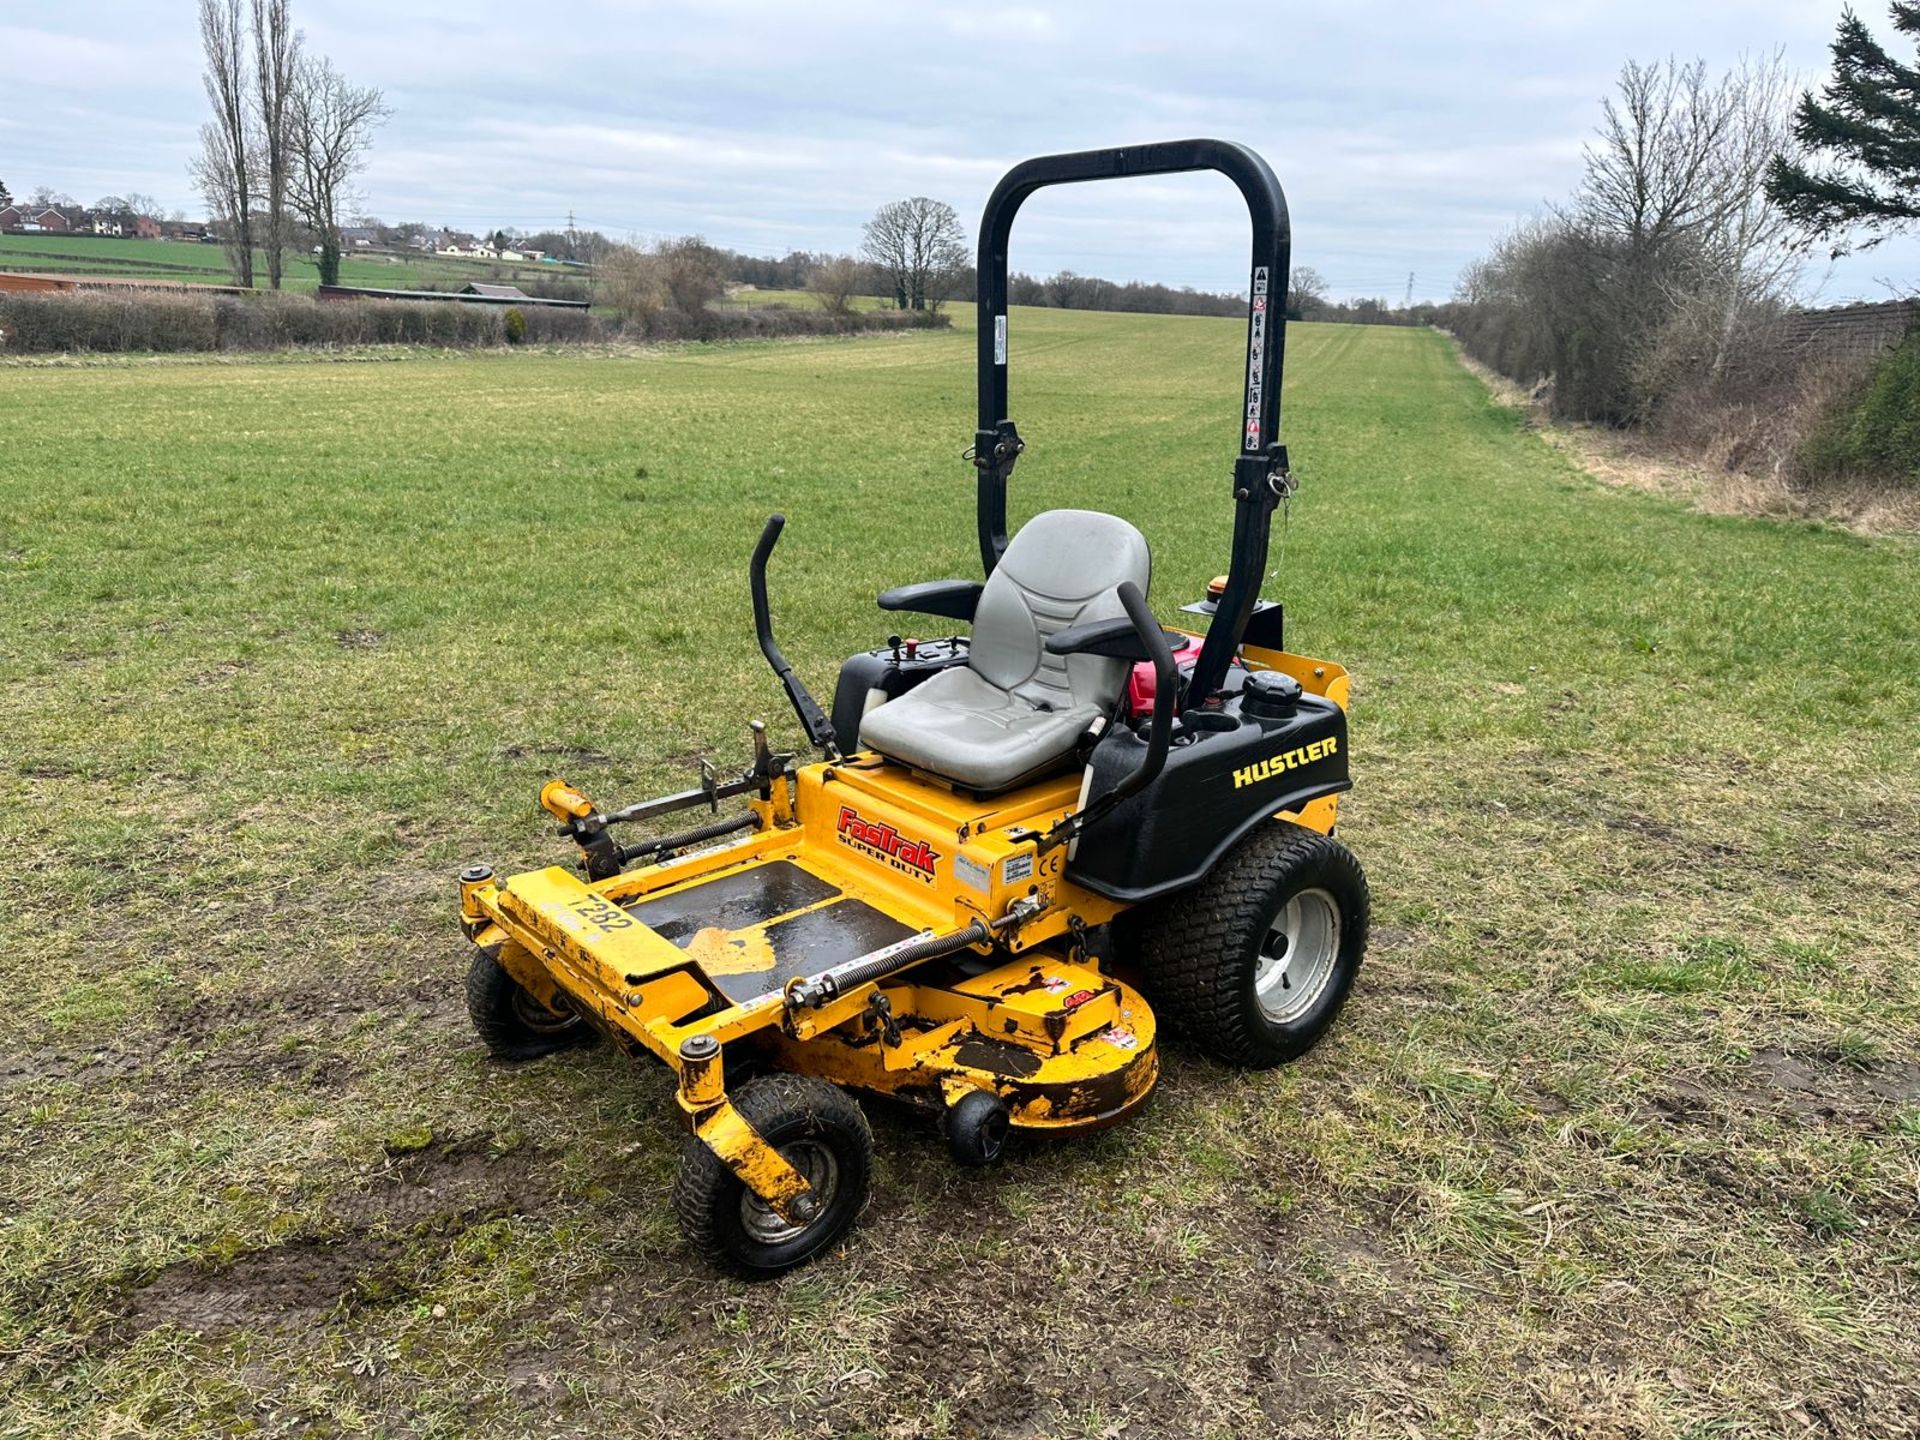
(1256, 356)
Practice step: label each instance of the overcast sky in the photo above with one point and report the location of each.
(1407, 134)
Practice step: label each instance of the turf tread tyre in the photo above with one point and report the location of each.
(1197, 951)
(783, 1108)
(977, 1127)
(494, 1001)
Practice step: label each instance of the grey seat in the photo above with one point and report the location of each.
(1013, 711)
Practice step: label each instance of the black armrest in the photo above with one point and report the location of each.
(953, 599)
(1116, 637)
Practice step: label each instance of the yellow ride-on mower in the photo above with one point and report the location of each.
(933, 910)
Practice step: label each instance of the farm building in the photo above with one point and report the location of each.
(26, 284)
(473, 293)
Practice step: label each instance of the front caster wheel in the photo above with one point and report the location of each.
(1254, 963)
(514, 1025)
(822, 1134)
(977, 1128)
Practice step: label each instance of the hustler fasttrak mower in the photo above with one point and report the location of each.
(1011, 841)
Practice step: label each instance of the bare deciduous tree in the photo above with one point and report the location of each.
(330, 124)
(833, 283)
(224, 170)
(1069, 290)
(665, 289)
(1677, 183)
(919, 245)
(1652, 281)
(276, 65)
(1306, 290)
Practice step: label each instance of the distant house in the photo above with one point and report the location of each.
(49, 219)
(102, 223)
(146, 227)
(12, 217)
(357, 237)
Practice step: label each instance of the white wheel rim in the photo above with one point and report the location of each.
(1297, 956)
(812, 1159)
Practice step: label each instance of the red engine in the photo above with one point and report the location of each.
(1141, 686)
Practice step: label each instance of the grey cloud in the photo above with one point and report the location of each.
(1408, 135)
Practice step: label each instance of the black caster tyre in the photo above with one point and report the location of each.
(977, 1128)
(1254, 963)
(823, 1134)
(514, 1025)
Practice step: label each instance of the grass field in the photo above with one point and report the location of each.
(197, 264)
(1619, 1136)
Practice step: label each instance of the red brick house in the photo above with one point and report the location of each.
(11, 217)
(50, 219)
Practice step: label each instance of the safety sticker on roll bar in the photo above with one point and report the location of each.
(1256, 355)
(999, 339)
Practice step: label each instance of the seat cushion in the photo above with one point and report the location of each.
(969, 731)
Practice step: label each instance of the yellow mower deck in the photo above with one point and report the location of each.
(706, 944)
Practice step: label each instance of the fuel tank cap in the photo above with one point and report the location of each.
(1270, 694)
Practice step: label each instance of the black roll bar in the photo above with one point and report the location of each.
(1260, 471)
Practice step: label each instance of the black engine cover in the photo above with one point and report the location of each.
(1226, 772)
(880, 670)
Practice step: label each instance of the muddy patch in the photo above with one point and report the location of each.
(299, 1284)
(1805, 1087)
(442, 1189)
(563, 754)
(27, 1069)
(449, 1182)
(1829, 1089)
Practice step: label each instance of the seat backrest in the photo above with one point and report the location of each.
(1060, 569)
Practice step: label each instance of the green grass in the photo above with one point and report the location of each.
(803, 299)
(1616, 1138)
(197, 264)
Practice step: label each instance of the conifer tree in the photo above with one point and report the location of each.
(1865, 127)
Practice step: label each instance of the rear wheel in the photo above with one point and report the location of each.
(822, 1134)
(1254, 963)
(514, 1025)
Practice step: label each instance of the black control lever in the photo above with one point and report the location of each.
(813, 720)
(1146, 639)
